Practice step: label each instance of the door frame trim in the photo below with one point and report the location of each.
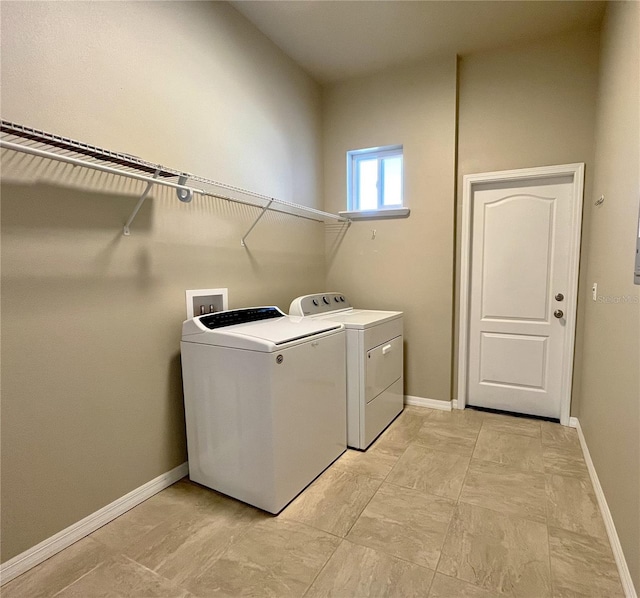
(469, 182)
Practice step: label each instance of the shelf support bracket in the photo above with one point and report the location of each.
(184, 195)
(264, 209)
(126, 232)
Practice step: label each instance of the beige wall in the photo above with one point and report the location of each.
(91, 388)
(408, 266)
(529, 105)
(610, 389)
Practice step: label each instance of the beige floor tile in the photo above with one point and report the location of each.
(572, 505)
(58, 572)
(505, 489)
(185, 551)
(388, 446)
(402, 431)
(560, 436)
(582, 566)
(464, 418)
(564, 461)
(417, 410)
(133, 524)
(333, 502)
(382, 445)
(444, 586)
(184, 503)
(517, 450)
(357, 571)
(497, 552)
(376, 462)
(404, 523)
(190, 534)
(434, 472)
(275, 558)
(447, 437)
(511, 425)
(120, 577)
(186, 494)
(191, 537)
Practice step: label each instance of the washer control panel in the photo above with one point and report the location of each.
(322, 303)
(239, 316)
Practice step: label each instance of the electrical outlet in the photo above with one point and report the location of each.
(594, 291)
(206, 301)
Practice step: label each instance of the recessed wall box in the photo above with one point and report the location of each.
(206, 301)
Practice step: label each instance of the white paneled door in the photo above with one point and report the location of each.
(522, 278)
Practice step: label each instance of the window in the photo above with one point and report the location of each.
(375, 181)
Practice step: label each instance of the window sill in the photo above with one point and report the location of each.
(376, 214)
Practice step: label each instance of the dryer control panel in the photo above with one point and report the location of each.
(311, 305)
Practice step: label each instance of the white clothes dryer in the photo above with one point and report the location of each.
(264, 398)
(375, 381)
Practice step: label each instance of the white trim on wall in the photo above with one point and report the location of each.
(616, 547)
(430, 403)
(577, 172)
(47, 548)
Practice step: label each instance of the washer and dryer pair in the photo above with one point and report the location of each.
(265, 393)
(375, 382)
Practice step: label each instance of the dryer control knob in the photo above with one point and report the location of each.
(315, 302)
(336, 299)
(341, 298)
(325, 300)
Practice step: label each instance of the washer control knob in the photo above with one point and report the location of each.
(336, 299)
(341, 298)
(325, 300)
(315, 302)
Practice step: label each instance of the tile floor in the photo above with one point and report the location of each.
(444, 504)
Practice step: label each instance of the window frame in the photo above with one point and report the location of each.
(354, 157)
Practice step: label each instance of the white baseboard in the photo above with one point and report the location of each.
(616, 547)
(47, 548)
(430, 403)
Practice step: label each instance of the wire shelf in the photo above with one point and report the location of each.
(24, 139)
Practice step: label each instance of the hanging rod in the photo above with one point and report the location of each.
(159, 173)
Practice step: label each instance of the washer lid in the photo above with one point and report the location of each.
(283, 330)
(270, 334)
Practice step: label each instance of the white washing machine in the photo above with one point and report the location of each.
(375, 382)
(264, 398)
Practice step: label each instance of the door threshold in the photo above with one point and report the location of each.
(554, 420)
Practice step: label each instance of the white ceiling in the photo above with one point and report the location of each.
(334, 40)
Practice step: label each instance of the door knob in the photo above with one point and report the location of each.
(558, 313)
(559, 297)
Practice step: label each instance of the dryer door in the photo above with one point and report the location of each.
(384, 367)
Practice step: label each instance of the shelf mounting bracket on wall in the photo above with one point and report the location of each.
(184, 195)
(264, 210)
(126, 232)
